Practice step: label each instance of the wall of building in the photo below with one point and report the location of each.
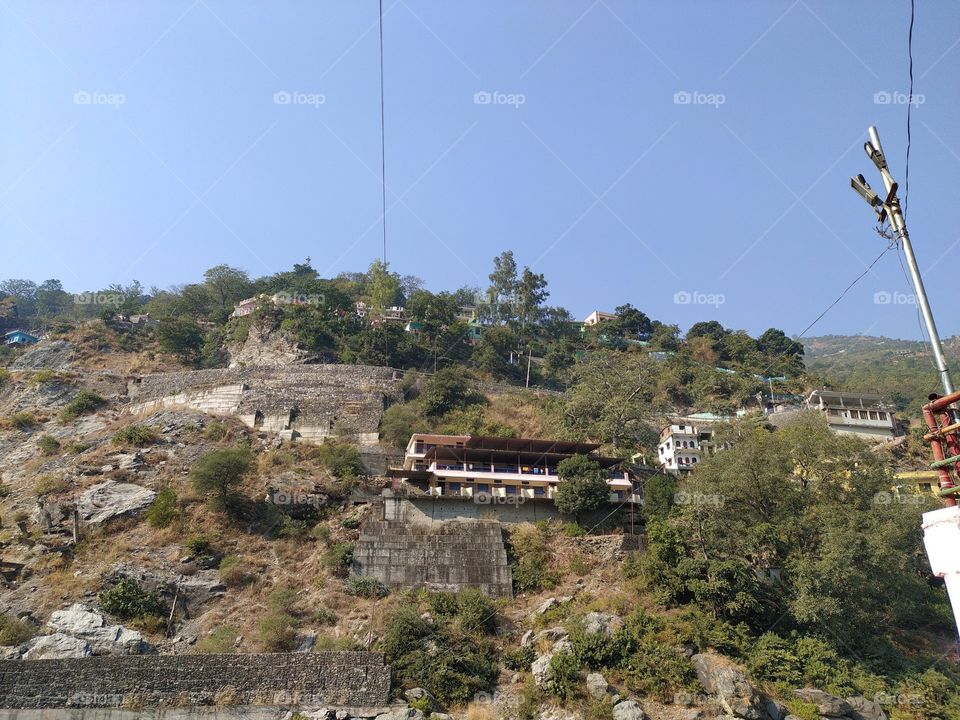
(330, 678)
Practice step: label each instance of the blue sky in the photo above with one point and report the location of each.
(691, 158)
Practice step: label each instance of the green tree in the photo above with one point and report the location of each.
(183, 337)
(447, 390)
(227, 285)
(218, 473)
(582, 487)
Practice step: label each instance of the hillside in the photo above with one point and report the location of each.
(901, 370)
(189, 543)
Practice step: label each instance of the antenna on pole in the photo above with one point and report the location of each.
(888, 208)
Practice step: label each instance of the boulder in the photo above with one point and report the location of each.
(628, 710)
(402, 713)
(603, 623)
(84, 624)
(776, 711)
(111, 499)
(597, 685)
(551, 634)
(826, 703)
(539, 669)
(422, 697)
(736, 695)
(864, 709)
(55, 647)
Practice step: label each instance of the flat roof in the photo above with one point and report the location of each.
(503, 455)
(491, 442)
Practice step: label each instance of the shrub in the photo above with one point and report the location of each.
(128, 600)
(51, 485)
(520, 658)
(324, 616)
(14, 631)
(657, 670)
(278, 632)
(218, 641)
(475, 611)
(532, 574)
(79, 447)
(338, 558)
(234, 571)
(399, 422)
(291, 528)
(350, 523)
(23, 420)
(4, 376)
(217, 473)
(572, 529)
(216, 431)
(48, 445)
(283, 599)
(199, 545)
(163, 510)
(84, 402)
(448, 390)
(320, 532)
(563, 676)
(341, 459)
(366, 587)
(43, 377)
(137, 435)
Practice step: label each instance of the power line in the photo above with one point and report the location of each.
(906, 172)
(847, 289)
(383, 146)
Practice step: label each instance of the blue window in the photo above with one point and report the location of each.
(483, 487)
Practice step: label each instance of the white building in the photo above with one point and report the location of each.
(597, 317)
(686, 441)
(862, 415)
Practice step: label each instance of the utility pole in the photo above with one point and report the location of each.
(889, 208)
(941, 528)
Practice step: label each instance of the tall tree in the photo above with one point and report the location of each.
(227, 285)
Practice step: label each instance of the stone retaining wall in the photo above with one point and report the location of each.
(312, 402)
(442, 556)
(323, 678)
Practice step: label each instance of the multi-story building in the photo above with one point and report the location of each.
(467, 465)
(687, 440)
(863, 415)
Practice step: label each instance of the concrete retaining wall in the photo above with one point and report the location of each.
(325, 678)
(442, 556)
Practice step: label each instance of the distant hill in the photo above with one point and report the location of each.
(901, 370)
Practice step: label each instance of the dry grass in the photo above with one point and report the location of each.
(519, 411)
(480, 711)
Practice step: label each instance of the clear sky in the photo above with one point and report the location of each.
(689, 157)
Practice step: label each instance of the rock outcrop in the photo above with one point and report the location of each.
(111, 499)
(735, 693)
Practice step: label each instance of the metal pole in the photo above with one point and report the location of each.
(900, 227)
